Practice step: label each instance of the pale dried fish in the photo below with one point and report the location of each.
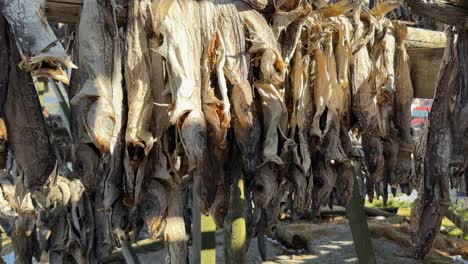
(274, 118)
(403, 101)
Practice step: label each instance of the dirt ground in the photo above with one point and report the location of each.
(328, 243)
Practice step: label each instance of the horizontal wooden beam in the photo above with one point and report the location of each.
(424, 38)
(142, 246)
(424, 67)
(425, 47)
(68, 11)
(452, 12)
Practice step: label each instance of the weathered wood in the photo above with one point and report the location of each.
(424, 38)
(208, 240)
(369, 211)
(129, 253)
(68, 11)
(359, 227)
(433, 195)
(424, 67)
(235, 236)
(196, 229)
(143, 246)
(425, 47)
(452, 12)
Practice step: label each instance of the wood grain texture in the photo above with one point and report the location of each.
(424, 67)
(68, 11)
(452, 12)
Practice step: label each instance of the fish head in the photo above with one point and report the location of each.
(86, 163)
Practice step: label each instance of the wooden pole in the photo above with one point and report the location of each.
(128, 252)
(68, 11)
(143, 246)
(208, 240)
(235, 228)
(359, 228)
(196, 229)
(452, 12)
(203, 235)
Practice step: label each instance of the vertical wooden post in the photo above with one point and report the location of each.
(235, 228)
(359, 228)
(208, 240)
(196, 229)
(128, 252)
(203, 236)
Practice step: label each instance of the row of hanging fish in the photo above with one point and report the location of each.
(292, 92)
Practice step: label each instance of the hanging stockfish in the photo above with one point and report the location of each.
(41, 52)
(184, 77)
(264, 45)
(215, 102)
(403, 100)
(333, 149)
(112, 193)
(4, 71)
(342, 59)
(245, 120)
(93, 108)
(364, 98)
(383, 53)
(138, 138)
(57, 201)
(322, 92)
(433, 200)
(297, 158)
(181, 34)
(24, 237)
(25, 123)
(287, 28)
(93, 101)
(325, 177)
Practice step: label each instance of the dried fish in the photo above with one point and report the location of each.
(4, 71)
(287, 27)
(325, 177)
(364, 102)
(25, 123)
(41, 52)
(344, 182)
(383, 54)
(138, 138)
(236, 68)
(263, 42)
(403, 101)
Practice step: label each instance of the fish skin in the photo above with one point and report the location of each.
(26, 127)
(33, 39)
(4, 71)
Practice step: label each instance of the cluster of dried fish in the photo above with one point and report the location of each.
(183, 91)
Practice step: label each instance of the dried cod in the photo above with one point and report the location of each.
(41, 52)
(403, 101)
